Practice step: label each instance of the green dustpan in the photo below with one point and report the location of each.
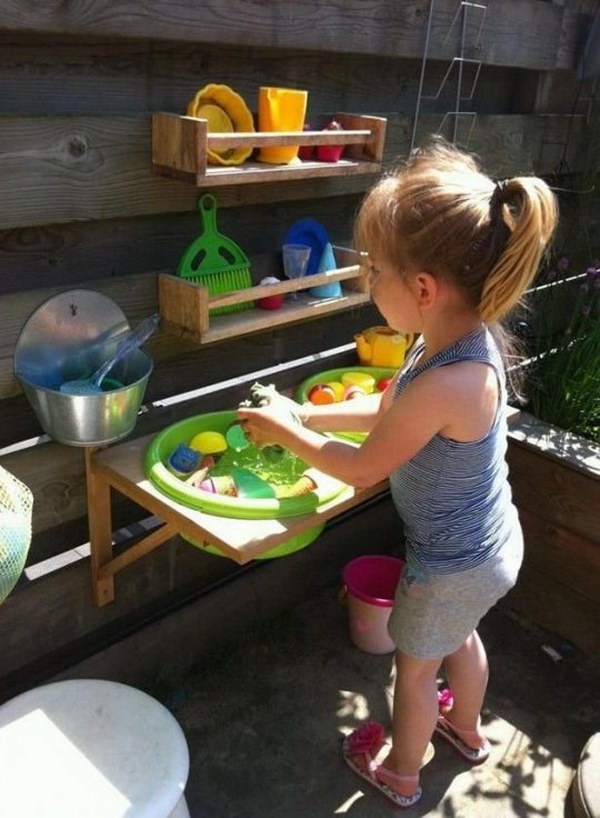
(215, 261)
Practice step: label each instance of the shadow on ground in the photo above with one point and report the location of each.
(264, 718)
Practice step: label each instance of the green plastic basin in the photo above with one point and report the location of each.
(378, 372)
(282, 550)
(156, 471)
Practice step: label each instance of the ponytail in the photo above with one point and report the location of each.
(526, 207)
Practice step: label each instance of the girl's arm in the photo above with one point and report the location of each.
(358, 415)
(399, 432)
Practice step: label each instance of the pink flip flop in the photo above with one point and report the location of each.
(454, 736)
(445, 700)
(365, 742)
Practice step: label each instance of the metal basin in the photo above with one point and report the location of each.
(66, 337)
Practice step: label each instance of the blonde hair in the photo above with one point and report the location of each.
(441, 214)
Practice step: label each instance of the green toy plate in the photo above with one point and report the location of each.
(161, 447)
(377, 372)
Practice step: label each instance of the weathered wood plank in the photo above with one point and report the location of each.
(559, 446)
(79, 252)
(561, 555)
(138, 297)
(63, 169)
(128, 77)
(64, 627)
(516, 32)
(177, 375)
(67, 614)
(78, 168)
(563, 495)
(555, 606)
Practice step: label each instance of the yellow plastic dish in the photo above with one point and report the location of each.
(362, 379)
(225, 111)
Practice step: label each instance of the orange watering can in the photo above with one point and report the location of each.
(281, 109)
(382, 346)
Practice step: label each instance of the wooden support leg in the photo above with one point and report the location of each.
(100, 528)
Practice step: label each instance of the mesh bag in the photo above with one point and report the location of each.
(16, 502)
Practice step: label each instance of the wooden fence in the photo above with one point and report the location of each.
(79, 205)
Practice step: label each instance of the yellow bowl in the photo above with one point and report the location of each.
(234, 115)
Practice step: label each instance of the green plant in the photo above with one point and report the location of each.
(563, 370)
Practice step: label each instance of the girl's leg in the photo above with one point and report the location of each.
(467, 672)
(414, 716)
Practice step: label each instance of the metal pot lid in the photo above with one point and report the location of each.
(68, 334)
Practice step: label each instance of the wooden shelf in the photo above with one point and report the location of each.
(185, 305)
(180, 145)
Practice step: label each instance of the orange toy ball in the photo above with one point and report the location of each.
(352, 392)
(321, 394)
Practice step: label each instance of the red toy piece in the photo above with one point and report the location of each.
(306, 151)
(330, 153)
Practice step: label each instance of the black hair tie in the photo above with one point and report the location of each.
(500, 195)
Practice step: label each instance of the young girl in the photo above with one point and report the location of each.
(451, 252)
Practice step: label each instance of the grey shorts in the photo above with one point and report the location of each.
(433, 614)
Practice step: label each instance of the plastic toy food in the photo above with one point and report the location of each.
(209, 443)
(338, 389)
(383, 384)
(223, 484)
(362, 379)
(304, 485)
(183, 461)
(270, 302)
(330, 153)
(249, 484)
(321, 394)
(306, 151)
(236, 439)
(198, 477)
(354, 391)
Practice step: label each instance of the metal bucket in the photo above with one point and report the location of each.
(69, 335)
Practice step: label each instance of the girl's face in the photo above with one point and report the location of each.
(395, 296)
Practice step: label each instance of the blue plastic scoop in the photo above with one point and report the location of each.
(133, 340)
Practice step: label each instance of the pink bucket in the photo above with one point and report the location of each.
(371, 584)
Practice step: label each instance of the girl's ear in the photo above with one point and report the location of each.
(426, 289)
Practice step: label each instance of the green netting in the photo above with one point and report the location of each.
(16, 502)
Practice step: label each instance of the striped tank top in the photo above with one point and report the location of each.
(453, 497)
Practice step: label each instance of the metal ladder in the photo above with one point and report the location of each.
(464, 8)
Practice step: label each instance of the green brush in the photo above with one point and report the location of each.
(215, 261)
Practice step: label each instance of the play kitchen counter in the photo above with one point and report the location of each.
(121, 468)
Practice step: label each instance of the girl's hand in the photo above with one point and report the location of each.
(262, 395)
(269, 424)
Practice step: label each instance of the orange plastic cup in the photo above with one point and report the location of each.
(281, 109)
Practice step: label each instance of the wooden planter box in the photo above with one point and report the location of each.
(555, 477)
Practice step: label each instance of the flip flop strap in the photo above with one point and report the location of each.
(459, 729)
(378, 771)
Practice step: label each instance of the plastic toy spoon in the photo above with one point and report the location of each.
(133, 340)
